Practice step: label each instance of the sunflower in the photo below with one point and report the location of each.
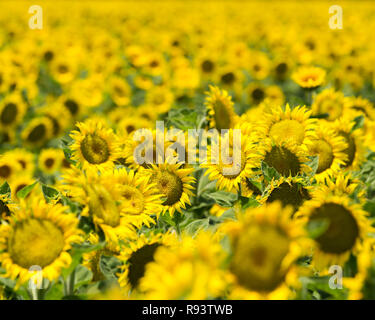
(147, 112)
(91, 260)
(143, 82)
(88, 91)
(120, 91)
(19, 182)
(94, 145)
(64, 69)
(139, 197)
(291, 191)
(39, 234)
(12, 111)
(289, 124)
(274, 96)
(250, 121)
(59, 116)
(189, 270)
(259, 65)
(24, 158)
(137, 255)
(8, 168)
(132, 123)
(207, 65)
(174, 183)
(264, 246)
(342, 184)
(281, 67)
(347, 226)
(238, 53)
(309, 77)
(71, 103)
(101, 199)
(355, 150)
(230, 78)
(50, 160)
(358, 283)
(288, 159)
(155, 64)
(330, 147)
(220, 109)
(363, 107)
(131, 145)
(225, 170)
(256, 93)
(160, 98)
(329, 104)
(37, 132)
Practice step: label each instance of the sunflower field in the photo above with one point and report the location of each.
(82, 218)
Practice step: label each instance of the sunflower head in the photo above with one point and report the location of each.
(353, 138)
(50, 160)
(9, 169)
(289, 124)
(289, 191)
(330, 148)
(287, 158)
(37, 132)
(329, 104)
(138, 255)
(94, 145)
(264, 246)
(220, 109)
(39, 234)
(309, 77)
(232, 162)
(187, 270)
(344, 225)
(12, 110)
(174, 183)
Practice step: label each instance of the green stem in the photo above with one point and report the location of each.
(72, 282)
(309, 95)
(177, 222)
(69, 284)
(34, 293)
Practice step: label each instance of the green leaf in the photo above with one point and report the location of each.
(5, 189)
(67, 202)
(82, 276)
(205, 185)
(197, 225)
(55, 292)
(359, 122)
(109, 266)
(87, 247)
(321, 290)
(23, 193)
(228, 214)
(269, 173)
(256, 184)
(77, 251)
(248, 202)
(369, 206)
(49, 192)
(8, 282)
(313, 163)
(316, 228)
(222, 198)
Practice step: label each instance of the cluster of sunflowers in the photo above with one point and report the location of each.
(81, 218)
